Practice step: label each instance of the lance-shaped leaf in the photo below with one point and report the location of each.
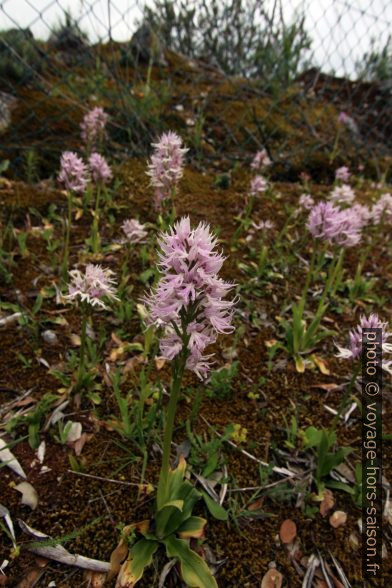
(217, 511)
(120, 553)
(194, 570)
(140, 556)
(192, 527)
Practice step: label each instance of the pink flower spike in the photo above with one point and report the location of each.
(258, 185)
(93, 286)
(354, 349)
(306, 201)
(100, 169)
(342, 193)
(261, 160)
(166, 166)
(338, 227)
(382, 209)
(342, 173)
(188, 302)
(73, 172)
(134, 231)
(93, 126)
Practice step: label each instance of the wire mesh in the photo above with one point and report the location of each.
(231, 76)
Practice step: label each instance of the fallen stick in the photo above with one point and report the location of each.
(58, 553)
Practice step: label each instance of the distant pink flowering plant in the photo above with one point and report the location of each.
(73, 173)
(306, 201)
(333, 225)
(74, 177)
(101, 175)
(100, 169)
(354, 350)
(258, 185)
(93, 127)
(93, 286)
(382, 209)
(261, 160)
(89, 289)
(342, 174)
(166, 167)
(342, 194)
(135, 231)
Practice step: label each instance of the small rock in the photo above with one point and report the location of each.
(338, 518)
(49, 337)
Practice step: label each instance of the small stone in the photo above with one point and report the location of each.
(49, 337)
(338, 518)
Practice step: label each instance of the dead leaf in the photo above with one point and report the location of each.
(328, 386)
(288, 531)
(256, 505)
(159, 363)
(80, 443)
(75, 339)
(299, 365)
(120, 553)
(338, 518)
(272, 579)
(74, 432)
(321, 364)
(9, 459)
(29, 494)
(131, 364)
(327, 502)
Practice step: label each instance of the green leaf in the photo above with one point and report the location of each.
(192, 527)
(340, 486)
(217, 511)
(167, 514)
(312, 437)
(194, 569)
(140, 556)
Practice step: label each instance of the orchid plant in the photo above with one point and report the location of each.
(189, 310)
(74, 177)
(101, 174)
(165, 169)
(89, 290)
(354, 350)
(335, 228)
(93, 129)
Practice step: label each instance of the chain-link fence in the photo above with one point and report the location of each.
(309, 80)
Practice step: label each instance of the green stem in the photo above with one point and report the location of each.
(68, 221)
(178, 371)
(95, 241)
(346, 395)
(83, 339)
(307, 281)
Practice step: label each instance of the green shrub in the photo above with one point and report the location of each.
(20, 56)
(238, 36)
